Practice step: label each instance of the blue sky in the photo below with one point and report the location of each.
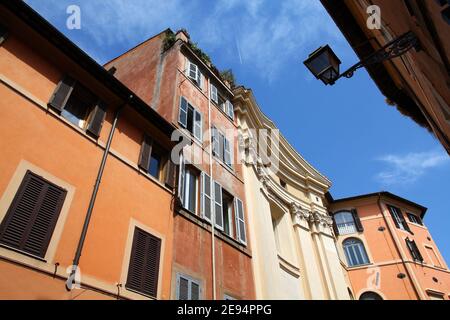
(347, 131)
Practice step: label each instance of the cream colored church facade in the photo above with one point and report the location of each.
(294, 251)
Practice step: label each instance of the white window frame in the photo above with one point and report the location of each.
(397, 218)
(193, 68)
(214, 94)
(229, 109)
(190, 282)
(355, 246)
(187, 190)
(197, 125)
(219, 203)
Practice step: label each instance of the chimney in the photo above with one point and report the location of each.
(183, 35)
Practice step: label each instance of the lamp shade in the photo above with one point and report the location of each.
(324, 64)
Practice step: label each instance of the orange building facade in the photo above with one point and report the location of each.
(387, 250)
(62, 114)
(167, 71)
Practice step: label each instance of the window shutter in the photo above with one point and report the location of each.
(170, 174)
(198, 125)
(335, 228)
(206, 197)
(195, 291)
(143, 269)
(181, 178)
(391, 211)
(227, 152)
(199, 79)
(182, 118)
(358, 224)
(218, 205)
(215, 141)
(416, 250)
(221, 146)
(192, 71)
(183, 288)
(96, 120)
(214, 95)
(403, 222)
(3, 34)
(146, 151)
(230, 109)
(240, 220)
(31, 219)
(62, 93)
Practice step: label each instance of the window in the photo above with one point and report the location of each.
(79, 106)
(398, 218)
(355, 252)
(435, 295)
(240, 221)
(206, 197)
(153, 159)
(222, 147)
(143, 270)
(31, 218)
(194, 74)
(227, 213)
(414, 219)
(191, 189)
(347, 222)
(283, 184)
(191, 119)
(229, 109)
(370, 296)
(187, 288)
(228, 297)
(214, 94)
(218, 205)
(3, 34)
(415, 253)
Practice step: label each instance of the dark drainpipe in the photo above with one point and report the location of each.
(76, 259)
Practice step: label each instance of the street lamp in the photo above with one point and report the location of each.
(324, 64)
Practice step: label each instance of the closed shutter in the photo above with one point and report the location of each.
(146, 151)
(358, 224)
(240, 220)
(62, 93)
(218, 205)
(143, 270)
(214, 95)
(230, 109)
(171, 172)
(96, 119)
(195, 291)
(181, 179)
(183, 288)
(199, 79)
(31, 219)
(221, 146)
(414, 250)
(215, 141)
(227, 152)
(404, 222)
(206, 197)
(198, 125)
(183, 115)
(3, 34)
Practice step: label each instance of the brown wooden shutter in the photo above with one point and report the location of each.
(143, 269)
(62, 93)
(335, 228)
(358, 224)
(32, 216)
(146, 151)
(171, 172)
(3, 34)
(96, 120)
(403, 221)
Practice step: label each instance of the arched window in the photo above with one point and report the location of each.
(355, 252)
(345, 222)
(370, 296)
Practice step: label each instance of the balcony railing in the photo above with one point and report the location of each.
(346, 228)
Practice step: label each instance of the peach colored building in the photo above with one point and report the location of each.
(79, 183)
(417, 83)
(387, 250)
(179, 81)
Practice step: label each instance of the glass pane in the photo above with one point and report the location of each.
(319, 63)
(190, 120)
(155, 163)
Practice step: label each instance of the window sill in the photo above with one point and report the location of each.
(207, 226)
(360, 266)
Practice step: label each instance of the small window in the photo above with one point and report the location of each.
(398, 218)
(214, 94)
(153, 159)
(187, 288)
(414, 250)
(143, 270)
(355, 252)
(345, 222)
(370, 296)
(31, 218)
(414, 219)
(191, 119)
(222, 147)
(228, 297)
(194, 74)
(227, 213)
(283, 184)
(79, 106)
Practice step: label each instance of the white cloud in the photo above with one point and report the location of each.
(405, 169)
